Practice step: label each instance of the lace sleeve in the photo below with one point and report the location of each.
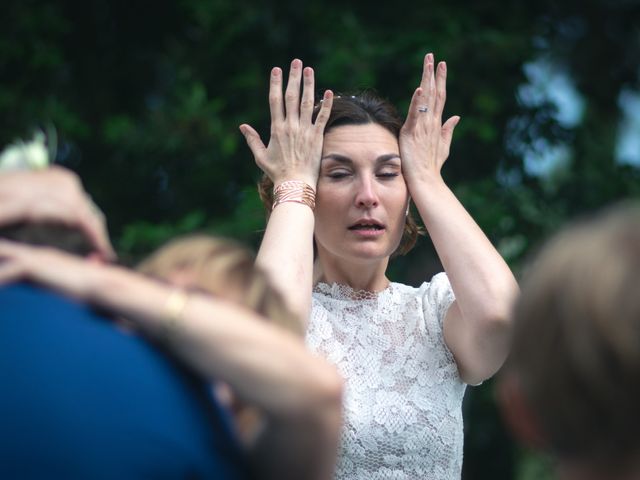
(436, 300)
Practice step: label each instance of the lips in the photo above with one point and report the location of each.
(367, 224)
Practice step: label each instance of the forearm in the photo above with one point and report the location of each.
(286, 254)
(265, 366)
(482, 282)
(293, 155)
(477, 325)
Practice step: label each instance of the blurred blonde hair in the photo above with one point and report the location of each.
(224, 269)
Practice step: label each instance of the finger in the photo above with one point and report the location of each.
(254, 142)
(93, 223)
(424, 81)
(10, 271)
(306, 106)
(441, 89)
(89, 226)
(11, 251)
(10, 248)
(325, 110)
(275, 95)
(431, 88)
(11, 212)
(448, 128)
(292, 93)
(106, 249)
(417, 100)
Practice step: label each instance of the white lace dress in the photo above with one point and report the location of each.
(403, 395)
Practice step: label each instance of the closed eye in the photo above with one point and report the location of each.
(338, 174)
(387, 175)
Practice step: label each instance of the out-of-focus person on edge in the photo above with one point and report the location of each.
(570, 387)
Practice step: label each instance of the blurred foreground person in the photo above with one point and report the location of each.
(81, 398)
(570, 386)
(88, 400)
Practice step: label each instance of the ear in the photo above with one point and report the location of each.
(517, 414)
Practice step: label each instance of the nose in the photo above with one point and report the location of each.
(366, 196)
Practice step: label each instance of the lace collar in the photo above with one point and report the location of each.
(344, 292)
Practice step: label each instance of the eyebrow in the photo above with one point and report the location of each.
(346, 160)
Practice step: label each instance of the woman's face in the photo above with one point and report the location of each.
(362, 197)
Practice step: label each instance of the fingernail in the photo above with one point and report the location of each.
(308, 71)
(296, 63)
(430, 57)
(275, 71)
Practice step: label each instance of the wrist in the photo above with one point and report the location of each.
(94, 282)
(309, 179)
(296, 191)
(417, 180)
(108, 285)
(173, 311)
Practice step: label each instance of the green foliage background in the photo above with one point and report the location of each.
(146, 98)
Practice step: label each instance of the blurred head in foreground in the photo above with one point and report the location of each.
(571, 386)
(221, 268)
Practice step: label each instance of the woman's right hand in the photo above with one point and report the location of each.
(295, 145)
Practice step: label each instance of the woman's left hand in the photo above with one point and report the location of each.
(424, 139)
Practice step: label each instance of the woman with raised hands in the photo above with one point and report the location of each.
(340, 177)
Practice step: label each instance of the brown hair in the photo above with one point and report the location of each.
(50, 234)
(224, 269)
(361, 109)
(576, 344)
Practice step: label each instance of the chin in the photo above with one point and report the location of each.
(369, 252)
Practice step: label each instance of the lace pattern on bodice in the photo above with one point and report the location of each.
(403, 394)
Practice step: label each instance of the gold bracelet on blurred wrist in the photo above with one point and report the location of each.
(174, 308)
